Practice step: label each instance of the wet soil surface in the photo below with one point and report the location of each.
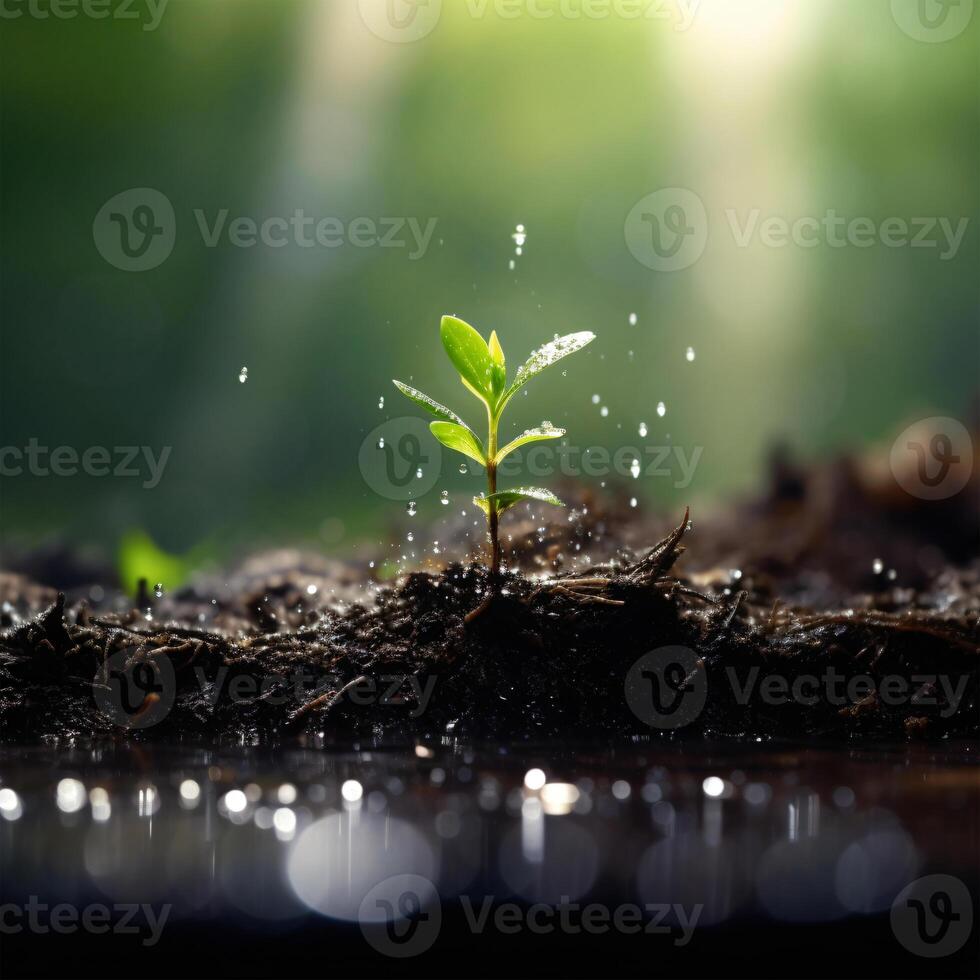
(833, 605)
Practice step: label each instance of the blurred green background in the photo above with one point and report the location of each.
(561, 123)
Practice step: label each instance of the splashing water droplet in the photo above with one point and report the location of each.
(243, 375)
(635, 469)
(604, 411)
(643, 430)
(158, 590)
(690, 355)
(444, 498)
(511, 265)
(412, 508)
(381, 402)
(661, 409)
(410, 536)
(595, 399)
(463, 469)
(632, 501)
(381, 443)
(633, 319)
(520, 237)
(418, 473)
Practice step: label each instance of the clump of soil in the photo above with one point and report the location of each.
(822, 609)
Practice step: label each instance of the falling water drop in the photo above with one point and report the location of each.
(444, 498)
(643, 430)
(633, 319)
(412, 508)
(690, 355)
(604, 411)
(635, 469)
(595, 399)
(410, 536)
(381, 402)
(463, 469)
(381, 443)
(158, 590)
(661, 409)
(243, 374)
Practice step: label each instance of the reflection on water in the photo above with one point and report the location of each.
(286, 835)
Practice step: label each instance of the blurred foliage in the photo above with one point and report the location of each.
(559, 124)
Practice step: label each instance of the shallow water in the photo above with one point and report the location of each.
(691, 854)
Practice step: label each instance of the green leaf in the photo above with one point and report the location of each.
(539, 434)
(507, 498)
(429, 404)
(481, 502)
(460, 438)
(544, 357)
(470, 355)
(498, 366)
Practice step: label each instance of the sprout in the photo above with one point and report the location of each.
(483, 371)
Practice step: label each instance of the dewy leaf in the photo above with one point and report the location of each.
(542, 432)
(507, 498)
(460, 438)
(498, 366)
(469, 353)
(481, 502)
(545, 356)
(429, 404)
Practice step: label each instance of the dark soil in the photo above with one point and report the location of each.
(786, 586)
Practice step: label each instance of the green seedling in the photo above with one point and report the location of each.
(483, 371)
